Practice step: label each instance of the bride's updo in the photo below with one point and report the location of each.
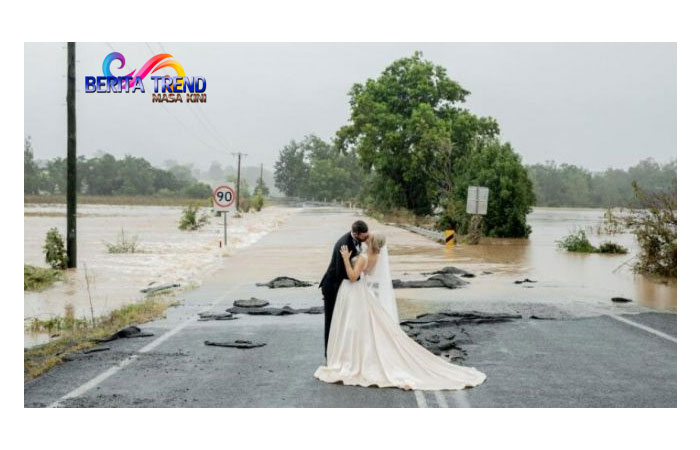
(377, 242)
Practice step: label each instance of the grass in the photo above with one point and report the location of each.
(39, 278)
(78, 335)
(145, 200)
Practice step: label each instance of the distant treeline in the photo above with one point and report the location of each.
(106, 175)
(568, 185)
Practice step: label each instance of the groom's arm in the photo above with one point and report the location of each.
(338, 259)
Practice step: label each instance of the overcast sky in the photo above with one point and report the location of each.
(594, 105)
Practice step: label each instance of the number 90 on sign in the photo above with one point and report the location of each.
(224, 198)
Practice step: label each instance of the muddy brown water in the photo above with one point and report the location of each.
(297, 242)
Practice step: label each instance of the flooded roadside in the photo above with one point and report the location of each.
(574, 285)
(561, 276)
(578, 283)
(165, 254)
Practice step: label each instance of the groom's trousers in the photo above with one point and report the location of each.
(329, 295)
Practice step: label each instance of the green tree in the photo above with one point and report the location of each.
(292, 170)
(32, 174)
(396, 121)
(137, 176)
(498, 167)
(423, 148)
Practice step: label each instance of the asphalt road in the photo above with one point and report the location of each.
(595, 361)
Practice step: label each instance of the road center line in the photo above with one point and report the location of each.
(442, 402)
(80, 390)
(420, 399)
(643, 327)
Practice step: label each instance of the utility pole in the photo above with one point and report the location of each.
(238, 180)
(261, 178)
(71, 173)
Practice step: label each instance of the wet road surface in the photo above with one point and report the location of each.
(582, 357)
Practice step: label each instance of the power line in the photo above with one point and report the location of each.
(205, 123)
(184, 126)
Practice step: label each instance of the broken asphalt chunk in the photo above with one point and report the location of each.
(239, 343)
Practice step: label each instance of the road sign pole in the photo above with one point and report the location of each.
(223, 197)
(225, 235)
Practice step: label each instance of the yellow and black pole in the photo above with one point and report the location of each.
(450, 238)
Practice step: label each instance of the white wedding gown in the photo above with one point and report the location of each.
(366, 347)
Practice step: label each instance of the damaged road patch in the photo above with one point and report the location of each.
(206, 316)
(442, 280)
(444, 333)
(453, 271)
(285, 282)
(271, 311)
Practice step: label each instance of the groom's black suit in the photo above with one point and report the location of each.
(334, 276)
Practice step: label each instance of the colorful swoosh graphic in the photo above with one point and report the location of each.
(154, 64)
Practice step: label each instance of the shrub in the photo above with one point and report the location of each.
(55, 250)
(245, 204)
(123, 245)
(189, 219)
(656, 229)
(611, 247)
(257, 202)
(577, 241)
(611, 224)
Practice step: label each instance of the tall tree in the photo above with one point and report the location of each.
(409, 129)
(292, 170)
(32, 174)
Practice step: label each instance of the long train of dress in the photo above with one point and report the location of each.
(366, 347)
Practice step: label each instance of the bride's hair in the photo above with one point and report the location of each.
(377, 242)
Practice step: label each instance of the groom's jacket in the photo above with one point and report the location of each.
(336, 269)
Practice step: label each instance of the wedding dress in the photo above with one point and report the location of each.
(366, 345)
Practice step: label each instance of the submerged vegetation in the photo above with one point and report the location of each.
(39, 278)
(191, 219)
(123, 244)
(612, 247)
(78, 334)
(54, 248)
(577, 241)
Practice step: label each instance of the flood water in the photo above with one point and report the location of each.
(165, 254)
(561, 276)
(300, 245)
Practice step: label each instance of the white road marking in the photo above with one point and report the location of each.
(643, 327)
(442, 402)
(80, 390)
(460, 398)
(420, 399)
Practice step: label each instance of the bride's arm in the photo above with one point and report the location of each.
(353, 272)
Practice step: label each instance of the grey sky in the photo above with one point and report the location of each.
(595, 105)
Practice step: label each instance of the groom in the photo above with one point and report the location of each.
(336, 269)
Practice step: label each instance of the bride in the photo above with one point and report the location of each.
(366, 345)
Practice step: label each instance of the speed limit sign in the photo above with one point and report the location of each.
(224, 198)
